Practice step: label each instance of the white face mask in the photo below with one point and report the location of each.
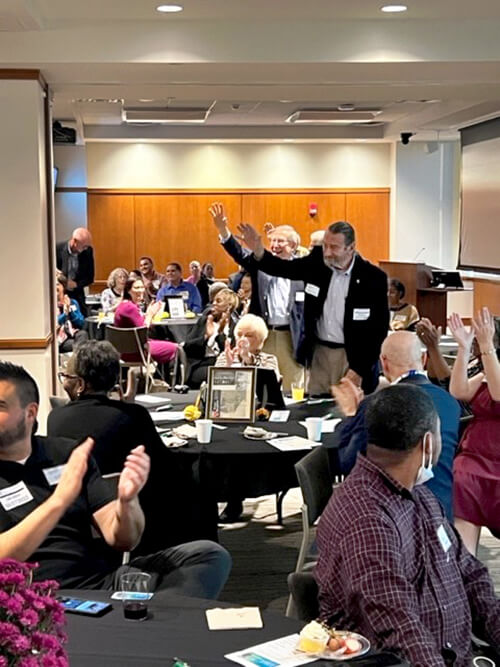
(425, 473)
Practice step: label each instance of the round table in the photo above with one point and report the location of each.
(172, 329)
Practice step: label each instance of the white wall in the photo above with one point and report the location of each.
(70, 207)
(425, 212)
(183, 165)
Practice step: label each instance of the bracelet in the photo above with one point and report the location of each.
(490, 351)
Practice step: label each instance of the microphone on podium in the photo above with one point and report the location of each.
(419, 253)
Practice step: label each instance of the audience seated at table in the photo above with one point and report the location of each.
(70, 320)
(199, 280)
(390, 565)
(245, 294)
(112, 295)
(250, 335)
(129, 314)
(117, 427)
(207, 338)
(402, 363)
(65, 496)
(477, 466)
(403, 315)
(150, 277)
(174, 285)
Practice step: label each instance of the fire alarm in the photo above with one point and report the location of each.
(313, 210)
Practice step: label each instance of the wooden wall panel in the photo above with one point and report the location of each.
(368, 212)
(293, 209)
(111, 223)
(178, 228)
(487, 293)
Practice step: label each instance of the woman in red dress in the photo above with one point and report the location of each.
(128, 314)
(476, 470)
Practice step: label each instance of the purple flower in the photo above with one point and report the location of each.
(29, 661)
(11, 579)
(44, 641)
(3, 661)
(20, 644)
(8, 632)
(46, 587)
(11, 565)
(14, 604)
(29, 618)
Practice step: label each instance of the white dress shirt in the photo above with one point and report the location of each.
(330, 326)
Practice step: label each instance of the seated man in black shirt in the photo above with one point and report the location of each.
(51, 492)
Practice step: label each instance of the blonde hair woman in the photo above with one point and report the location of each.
(111, 297)
(250, 335)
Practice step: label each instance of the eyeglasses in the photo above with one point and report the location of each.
(66, 376)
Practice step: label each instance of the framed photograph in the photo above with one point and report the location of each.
(176, 307)
(231, 394)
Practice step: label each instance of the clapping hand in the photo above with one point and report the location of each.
(250, 237)
(134, 474)
(428, 333)
(483, 327)
(462, 335)
(348, 396)
(210, 326)
(229, 353)
(70, 483)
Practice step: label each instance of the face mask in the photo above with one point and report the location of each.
(425, 473)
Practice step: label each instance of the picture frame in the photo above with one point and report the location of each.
(231, 394)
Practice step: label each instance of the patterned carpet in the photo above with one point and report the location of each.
(264, 553)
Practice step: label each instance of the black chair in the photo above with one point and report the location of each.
(304, 594)
(313, 474)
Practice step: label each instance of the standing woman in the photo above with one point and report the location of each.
(476, 470)
(112, 295)
(129, 314)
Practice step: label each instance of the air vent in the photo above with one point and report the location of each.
(164, 115)
(332, 116)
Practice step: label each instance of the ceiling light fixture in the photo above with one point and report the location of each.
(169, 9)
(393, 9)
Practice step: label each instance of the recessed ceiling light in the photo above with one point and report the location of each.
(169, 8)
(393, 8)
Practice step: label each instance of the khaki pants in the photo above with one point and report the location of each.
(328, 366)
(279, 343)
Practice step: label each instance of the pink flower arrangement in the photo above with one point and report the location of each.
(31, 620)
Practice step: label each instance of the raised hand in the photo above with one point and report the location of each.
(218, 214)
(428, 333)
(134, 474)
(483, 327)
(250, 237)
(268, 228)
(70, 483)
(462, 335)
(210, 326)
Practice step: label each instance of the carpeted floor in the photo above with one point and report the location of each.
(264, 553)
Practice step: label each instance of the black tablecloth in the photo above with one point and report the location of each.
(177, 627)
(175, 330)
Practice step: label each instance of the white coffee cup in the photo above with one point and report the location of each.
(204, 430)
(313, 427)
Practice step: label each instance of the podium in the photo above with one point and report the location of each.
(417, 279)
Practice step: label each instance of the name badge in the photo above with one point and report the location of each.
(53, 475)
(311, 289)
(443, 538)
(15, 496)
(300, 296)
(360, 314)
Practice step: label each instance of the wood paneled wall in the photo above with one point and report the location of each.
(176, 226)
(487, 293)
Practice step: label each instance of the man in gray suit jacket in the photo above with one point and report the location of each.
(279, 301)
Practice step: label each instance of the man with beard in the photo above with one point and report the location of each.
(52, 493)
(346, 312)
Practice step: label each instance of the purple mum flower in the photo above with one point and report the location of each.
(3, 661)
(29, 618)
(12, 579)
(20, 644)
(8, 632)
(29, 661)
(44, 641)
(14, 604)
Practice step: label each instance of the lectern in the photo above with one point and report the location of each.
(417, 279)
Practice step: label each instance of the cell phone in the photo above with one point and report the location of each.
(86, 607)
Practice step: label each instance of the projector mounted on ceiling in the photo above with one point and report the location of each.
(164, 115)
(333, 116)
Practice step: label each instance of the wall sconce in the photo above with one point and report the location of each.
(313, 210)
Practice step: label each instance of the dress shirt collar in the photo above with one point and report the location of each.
(372, 470)
(348, 271)
(409, 374)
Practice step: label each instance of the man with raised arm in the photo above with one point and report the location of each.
(346, 312)
(52, 493)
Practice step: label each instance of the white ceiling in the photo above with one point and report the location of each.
(254, 62)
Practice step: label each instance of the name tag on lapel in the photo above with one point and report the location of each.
(361, 314)
(311, 289)
(53, 475)
(443, 538)
(15, 496)
(299, 297)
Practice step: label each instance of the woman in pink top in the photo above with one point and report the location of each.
(195, 268)
(128, 314)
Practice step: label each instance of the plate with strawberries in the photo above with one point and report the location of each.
(326, 643)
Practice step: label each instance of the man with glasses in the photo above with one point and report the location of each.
(75, 259)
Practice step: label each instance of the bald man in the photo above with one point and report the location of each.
(402, 360)
(76, 260)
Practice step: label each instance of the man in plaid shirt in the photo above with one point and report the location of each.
(390, 565)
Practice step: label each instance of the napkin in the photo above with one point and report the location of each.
(232, 619)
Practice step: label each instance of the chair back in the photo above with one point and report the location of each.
(313, 473)
(58, 401)
(304, 594)
(128, 341)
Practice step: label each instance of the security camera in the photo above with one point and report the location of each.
(405, 137)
